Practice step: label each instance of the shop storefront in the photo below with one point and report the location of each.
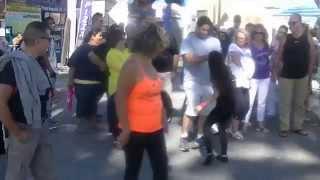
(18, 13)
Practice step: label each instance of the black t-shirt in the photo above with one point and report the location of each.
(15, 106)
(84, 68)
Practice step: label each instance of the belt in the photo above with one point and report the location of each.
(79, 81)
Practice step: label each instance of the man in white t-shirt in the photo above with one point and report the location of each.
(196, 81)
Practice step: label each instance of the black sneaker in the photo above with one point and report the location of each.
(208, 160)
(184, 145)
(223, 158)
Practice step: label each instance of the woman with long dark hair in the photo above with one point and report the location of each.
(222, 114)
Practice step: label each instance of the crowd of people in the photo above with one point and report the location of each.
(224, 73)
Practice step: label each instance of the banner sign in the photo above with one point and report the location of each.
(47, 5)
(84, 20)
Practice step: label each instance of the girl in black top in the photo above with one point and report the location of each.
(223, 112)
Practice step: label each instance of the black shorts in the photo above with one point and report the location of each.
(88, 97)
(242, 103)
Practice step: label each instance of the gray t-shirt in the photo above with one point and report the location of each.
(198, 73)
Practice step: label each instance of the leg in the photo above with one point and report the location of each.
(207, 133)
(252, 95)
(223, 137)
(262, 98)
(286, 90)
(42, 165)
(206, 93)
(20, 156)
(157, 151)
(299, 93)
(134, 155)
(192, 101)
(2, 137)
(112, 117)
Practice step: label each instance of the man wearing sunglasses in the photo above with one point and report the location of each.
(296, 63)
(21, 83)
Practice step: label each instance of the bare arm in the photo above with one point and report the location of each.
(71, 77)
(277, 64)
(235, 58)
(194, 59)
(5, 115)
(312, 52)
(97, 61)
(126, 82)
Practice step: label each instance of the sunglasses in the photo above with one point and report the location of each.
(256, 33)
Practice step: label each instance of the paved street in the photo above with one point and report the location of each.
(258, 157)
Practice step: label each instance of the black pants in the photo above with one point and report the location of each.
(112, 117)
(222, 126)
(154, 144)
(88, 97)
(242, 103)
(2, 135)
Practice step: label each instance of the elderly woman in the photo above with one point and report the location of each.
(242, 67)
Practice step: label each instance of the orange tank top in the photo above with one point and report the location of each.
(145, 106)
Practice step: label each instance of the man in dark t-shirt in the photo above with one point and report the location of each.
(21, 81)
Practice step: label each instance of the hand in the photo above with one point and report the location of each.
(22, 135)
(124, 138)
(70, 84)
(274, 77)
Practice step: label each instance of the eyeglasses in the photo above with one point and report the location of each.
(292, 23)
(46, 37)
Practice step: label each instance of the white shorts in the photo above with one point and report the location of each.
(196, 95)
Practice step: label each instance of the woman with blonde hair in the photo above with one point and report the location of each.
(259, 84)
(242, 67)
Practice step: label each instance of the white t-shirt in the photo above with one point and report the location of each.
(198, 73)
(243, 73)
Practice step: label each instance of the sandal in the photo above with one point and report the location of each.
(284, 134)
(300, 132)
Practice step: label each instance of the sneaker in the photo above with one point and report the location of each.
(262, 130)
(208, 160)
(184, 145)
(222, 158)
(237, 135)
(246, 126)
(194, 144)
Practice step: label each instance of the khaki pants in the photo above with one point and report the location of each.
(35, 155)
(293, 93)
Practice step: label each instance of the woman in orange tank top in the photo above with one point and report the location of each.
(139, 106)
